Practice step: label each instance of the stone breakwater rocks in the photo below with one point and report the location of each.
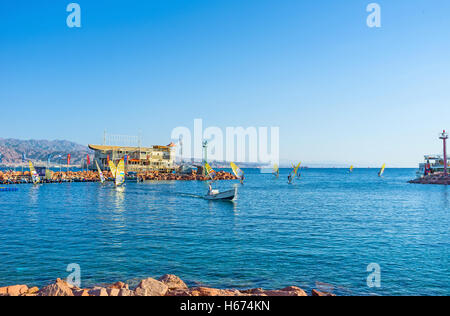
(437, 178)
(156, 176)
(13, 177)
(167, 285)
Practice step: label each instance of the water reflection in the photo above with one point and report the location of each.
(34, 194)
(445, 197)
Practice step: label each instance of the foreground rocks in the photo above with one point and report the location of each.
(167, 285)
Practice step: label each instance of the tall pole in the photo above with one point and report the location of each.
(444, 137)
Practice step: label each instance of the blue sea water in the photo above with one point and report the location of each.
(326, 228)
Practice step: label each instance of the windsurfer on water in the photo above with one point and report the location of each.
(290, 178)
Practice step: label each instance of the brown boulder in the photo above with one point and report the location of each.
(33, 290)
(288, 291)
(179, 292)
(125, 292)
(151, 287)
(173, 282)
(83, 292)
(113, 292)
(14, 290)
(318, 293)
(59, 288)
(118, 285)
(204, 291)
(98, 291)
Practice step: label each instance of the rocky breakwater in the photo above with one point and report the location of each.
(15, 177)
(167, 285)
(436, 178)
(157, 176)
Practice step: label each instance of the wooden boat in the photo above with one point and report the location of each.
(229, 195)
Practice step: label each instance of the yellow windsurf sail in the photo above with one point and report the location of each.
(210, 171)
(120, 173)
(351, 168)
(382, 170)
(236, 170)
(297, 168)
(48, 174)
(276, 170)
(34, 175)
(113, 168)
(100, 173)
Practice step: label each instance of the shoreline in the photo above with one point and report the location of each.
(167, 285)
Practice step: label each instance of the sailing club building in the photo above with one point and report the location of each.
(138, 159)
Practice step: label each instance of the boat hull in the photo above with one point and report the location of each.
(223, 196)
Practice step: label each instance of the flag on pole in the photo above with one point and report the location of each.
(125, 158)
(88, 160)
(68, 159)
(107, 159)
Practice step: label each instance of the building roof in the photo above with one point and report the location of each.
(125, 148)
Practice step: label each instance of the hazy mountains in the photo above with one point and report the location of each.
(11, 150)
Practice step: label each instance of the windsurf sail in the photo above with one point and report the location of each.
(48, 174)
(210, 171)
(34, 175)
(382, 170)
(120, 173)
(237, 171)
(100, 173)
(296, 169)
(113, 168)
(351, 168)
(276, 170)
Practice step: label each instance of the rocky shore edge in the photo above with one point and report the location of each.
(167, 285)
(437, 178)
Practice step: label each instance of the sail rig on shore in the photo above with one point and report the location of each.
(100, 173)
(236, 170)
(113, 168)
(120, 173)
(34, 175)
(380, 174)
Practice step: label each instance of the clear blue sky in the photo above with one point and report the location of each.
(338, 90)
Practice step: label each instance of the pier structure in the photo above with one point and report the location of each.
(444, 137)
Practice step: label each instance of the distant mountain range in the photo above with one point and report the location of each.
(11, 150)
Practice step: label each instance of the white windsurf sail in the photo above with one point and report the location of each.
(34, 175)
(100, 173)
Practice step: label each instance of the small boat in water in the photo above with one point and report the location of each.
(229, 195)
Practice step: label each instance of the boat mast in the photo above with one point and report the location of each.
(444, 137)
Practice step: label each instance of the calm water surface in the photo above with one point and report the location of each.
(327, 227)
